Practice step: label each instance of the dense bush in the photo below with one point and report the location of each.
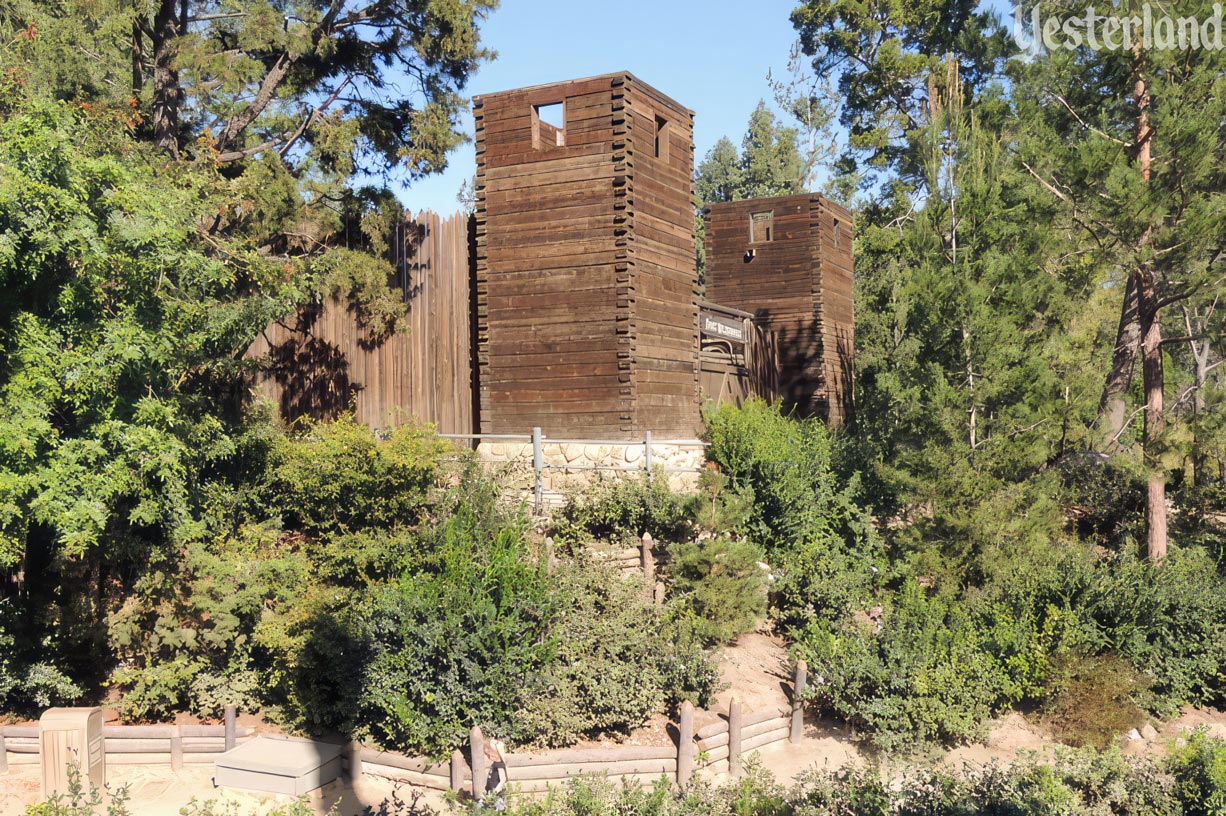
(417, 662)
(338, 476)
(931, 668)
(615, 661)
(782, 465)
(721, 583)
(623, 509)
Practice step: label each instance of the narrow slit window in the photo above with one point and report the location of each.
(761, 227)
(837, 226)
(549, 125)
(662, 135)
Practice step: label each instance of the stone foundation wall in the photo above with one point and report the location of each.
(570, 467)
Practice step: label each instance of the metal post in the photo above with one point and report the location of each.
(538, 465)
(647, 455)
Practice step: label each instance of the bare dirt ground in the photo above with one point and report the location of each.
(755, 671)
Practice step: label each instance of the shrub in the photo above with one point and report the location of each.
(416, 663)
(932, 668)
(780, 466)
(1093, 700)
(339, 476)
(623, 509)
(606, 676)
(721, 583)
(1199, 768)
(1169, 621)
(28, 684)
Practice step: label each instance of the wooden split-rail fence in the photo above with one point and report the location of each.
(173, 745)
(717, 748)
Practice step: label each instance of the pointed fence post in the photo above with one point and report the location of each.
(476, 748)
(685, 745)
(734, 739)
(798, 709)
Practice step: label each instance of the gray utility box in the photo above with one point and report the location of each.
(270, 765)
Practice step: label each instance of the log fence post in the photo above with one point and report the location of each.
(798, 709)
(649, 561)
(4, 753)
(685, 745)
(230, 718)
(457, 770)
(734, 739)
(176, 748)
(353, 753)
(476, 749)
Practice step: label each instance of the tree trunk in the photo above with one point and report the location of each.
(1155, 419)
(1113, 407)
(167, 94)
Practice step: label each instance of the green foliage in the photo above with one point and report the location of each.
(606, 676)
(416, 663)
(78, 801)
(338, 477)
(932, 668)
(1093, 700)
(28, 682)
(721, 582)
(1199, 768)
(783, 466)
(623, 510)
(1072, 783)
(769, 163)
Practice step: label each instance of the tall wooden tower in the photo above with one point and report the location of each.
(586, 291)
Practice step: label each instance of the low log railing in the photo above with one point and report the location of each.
(716, 748)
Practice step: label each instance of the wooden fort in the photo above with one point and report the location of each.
(570, 302)
(788, 261)
(586, 288)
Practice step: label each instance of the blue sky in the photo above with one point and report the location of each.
(710, 56)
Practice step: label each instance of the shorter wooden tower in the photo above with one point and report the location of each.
(788, 261)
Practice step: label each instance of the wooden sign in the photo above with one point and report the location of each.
(725, 328)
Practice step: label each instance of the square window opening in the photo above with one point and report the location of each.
(761, 227)
(549, 125)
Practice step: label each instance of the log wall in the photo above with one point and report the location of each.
(585, 287)
(322, 360)
(799, 285)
